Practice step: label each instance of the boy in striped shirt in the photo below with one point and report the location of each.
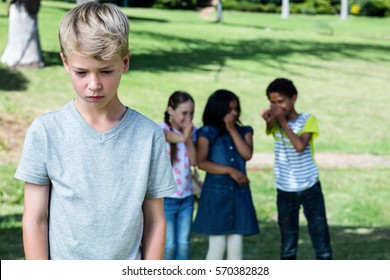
(296, 173)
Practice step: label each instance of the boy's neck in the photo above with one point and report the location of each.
(293, 115)
(102, 119)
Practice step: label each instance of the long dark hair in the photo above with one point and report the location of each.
(218, 106)
(174, 101)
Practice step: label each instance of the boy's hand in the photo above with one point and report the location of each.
(278, 113)
(267, 116)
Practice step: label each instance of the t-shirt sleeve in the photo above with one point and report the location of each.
(271, 131)
(247, 129)
(32, 165)
(195, 134)
(161, 182)
(311, 126)
(204, 131)
(164, 126)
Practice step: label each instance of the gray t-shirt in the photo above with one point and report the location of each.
(98, 181)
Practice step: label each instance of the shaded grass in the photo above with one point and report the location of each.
(357, 215)
(11, 244)
(348, 242)
(341, 78)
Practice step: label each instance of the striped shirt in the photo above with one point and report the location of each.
(295, 171)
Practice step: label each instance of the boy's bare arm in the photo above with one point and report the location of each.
(153, 239)
(35, 223)
(299, 142)
(269, 119)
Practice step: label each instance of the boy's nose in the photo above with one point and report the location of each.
(94, 84)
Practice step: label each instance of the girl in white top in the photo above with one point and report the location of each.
(178, 208)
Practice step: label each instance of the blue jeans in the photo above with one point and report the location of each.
(313, 203)
(178, 215)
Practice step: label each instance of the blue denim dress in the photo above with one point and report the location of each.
(224, 206)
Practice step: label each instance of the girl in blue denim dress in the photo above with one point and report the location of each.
(178, 208)
(226, 212)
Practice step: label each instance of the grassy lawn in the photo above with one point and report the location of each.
(342, 78)
(341, 69)
(357, 210)
(360, 228)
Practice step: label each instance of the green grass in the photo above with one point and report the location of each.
(341, 78)
(357, 210)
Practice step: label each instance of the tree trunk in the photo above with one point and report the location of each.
(285, 9)
(344, 10)
(219, 11)
(23, 47)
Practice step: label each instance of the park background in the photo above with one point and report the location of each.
(341, 70)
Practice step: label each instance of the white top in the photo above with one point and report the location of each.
(181, 166)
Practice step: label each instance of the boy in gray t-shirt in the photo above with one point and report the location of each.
(96, 171)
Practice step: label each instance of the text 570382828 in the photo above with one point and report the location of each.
(242, 270)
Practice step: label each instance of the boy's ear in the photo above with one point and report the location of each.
(294, 98)
(126, 62)
(64, 62)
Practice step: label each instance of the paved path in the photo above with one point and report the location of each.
(327, 161)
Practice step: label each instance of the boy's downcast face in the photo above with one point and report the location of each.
(283, 102)
(96, 82)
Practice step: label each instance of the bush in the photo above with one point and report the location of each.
(274, 6)
(246, 6)
(175, 4)
(130, 3)
(376, 8)
(270, 8)
(379, 8)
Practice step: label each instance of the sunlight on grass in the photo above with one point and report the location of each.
(342, 78)
(363, 231)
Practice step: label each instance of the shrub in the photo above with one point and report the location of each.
(175, 4)
(357, 7)
(270, 8)
(376, 8)
(131, 3)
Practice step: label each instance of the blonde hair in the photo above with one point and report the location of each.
(94, 30)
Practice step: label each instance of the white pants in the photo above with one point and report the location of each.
(219, 243)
